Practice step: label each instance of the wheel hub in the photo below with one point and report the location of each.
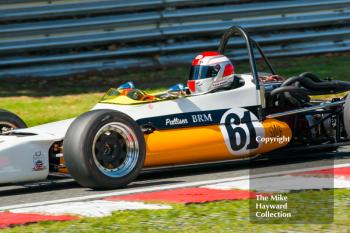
(6, 126)
(115, 148)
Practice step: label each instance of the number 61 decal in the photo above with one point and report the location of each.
(240, 129)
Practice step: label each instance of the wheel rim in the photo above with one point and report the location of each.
(6, 126)
(115, 149)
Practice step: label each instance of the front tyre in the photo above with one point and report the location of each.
(10, 121)
(104, 149)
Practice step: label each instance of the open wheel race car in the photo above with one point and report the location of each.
(129, 130)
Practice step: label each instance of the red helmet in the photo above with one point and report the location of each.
(210, 71)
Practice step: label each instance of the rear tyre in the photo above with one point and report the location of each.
(346, 116)
(104, 149)
(10, 121)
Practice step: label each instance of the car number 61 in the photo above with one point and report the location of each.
(240, 129)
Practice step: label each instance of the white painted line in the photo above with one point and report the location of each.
(239, 184)
(341, 183)
(284, 183)
(166, 187)
(97, 208)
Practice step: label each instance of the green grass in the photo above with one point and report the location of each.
(40, 110)
(42, 101)
(223, 216)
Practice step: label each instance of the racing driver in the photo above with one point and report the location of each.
(210, 71)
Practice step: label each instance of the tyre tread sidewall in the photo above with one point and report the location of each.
(78, 149)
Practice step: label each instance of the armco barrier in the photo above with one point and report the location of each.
(53, 38)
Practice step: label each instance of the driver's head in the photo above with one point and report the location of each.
(210, 71)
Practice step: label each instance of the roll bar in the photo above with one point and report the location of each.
(250, 43)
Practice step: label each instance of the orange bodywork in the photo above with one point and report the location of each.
(277, 130)
(186, 145)
(204, 144)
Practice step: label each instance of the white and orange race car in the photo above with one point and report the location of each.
(129, 130)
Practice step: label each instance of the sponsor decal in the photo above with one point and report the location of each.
(38, 161)
(193, 119)
(176, 121)
(190, 119)
(276, 131)
(202, 118)
(180, 120)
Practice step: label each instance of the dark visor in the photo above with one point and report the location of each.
(201, 72)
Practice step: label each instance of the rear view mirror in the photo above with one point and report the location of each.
(177, 90)
(127, 85)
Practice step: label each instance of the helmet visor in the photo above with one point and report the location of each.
(202, 72)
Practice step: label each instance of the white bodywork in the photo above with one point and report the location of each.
(20, 152)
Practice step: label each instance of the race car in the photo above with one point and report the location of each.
(219, 116)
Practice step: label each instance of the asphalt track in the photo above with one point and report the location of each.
(66, 188)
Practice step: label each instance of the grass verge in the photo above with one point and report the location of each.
(40, 110)
(223, 216)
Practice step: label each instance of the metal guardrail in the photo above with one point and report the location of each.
(93, 7)
(203, 13)
(197, 30)
(41, 38)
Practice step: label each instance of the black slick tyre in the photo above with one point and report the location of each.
(9, 121)
(104, 149)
